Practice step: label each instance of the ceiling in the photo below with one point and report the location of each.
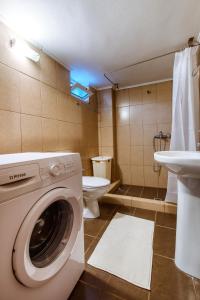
(93, 37)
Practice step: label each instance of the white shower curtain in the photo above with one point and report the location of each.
(185, 109)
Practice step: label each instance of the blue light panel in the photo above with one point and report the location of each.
(82, 95)
(78, 92)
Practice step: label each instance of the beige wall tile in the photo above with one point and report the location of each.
(136, 96)
(9, 89)
(92, 137)
(50, 135)
(136, 114)
(64, 135)
(48, 70)
(69, 136)
(104, 99)
(149, 93)
(149, 113)
(137, 138)
(122, 98)
(30, 96)
(125, 174)
(62, 78)
(150, 177)
(99, 136)
(148, 155)
(92, 152)
(123, 136)
(68, 86)
(137, 156)
(164, 112)
(107, 151)
(149, 132)
(107, 136)
(10, 134)
(31, 128)
(62, 106)
(122, 116)
(73, 113)
(164, 92)
(162, 180)
(123, 155)
(49, 98)
(106, 118)
(137, 175)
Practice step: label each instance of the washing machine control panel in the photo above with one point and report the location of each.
(26, 172)
(59, 169)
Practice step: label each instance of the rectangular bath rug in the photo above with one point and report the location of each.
(126, 250)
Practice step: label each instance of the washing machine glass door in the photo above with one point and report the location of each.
(47, 236)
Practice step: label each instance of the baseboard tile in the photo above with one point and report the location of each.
(137, 202)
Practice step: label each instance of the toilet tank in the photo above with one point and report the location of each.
(102, 166)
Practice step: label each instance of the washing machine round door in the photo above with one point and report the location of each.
(46, 237)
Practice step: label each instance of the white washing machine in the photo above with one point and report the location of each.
(41, 225)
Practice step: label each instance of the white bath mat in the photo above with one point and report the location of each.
(126, 250)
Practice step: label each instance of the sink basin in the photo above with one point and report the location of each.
(186, 164)
(180, 162)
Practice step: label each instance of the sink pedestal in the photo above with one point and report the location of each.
(187, 256)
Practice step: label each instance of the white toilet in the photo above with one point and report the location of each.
(93, 189)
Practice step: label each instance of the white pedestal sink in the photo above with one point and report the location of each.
(186, 164)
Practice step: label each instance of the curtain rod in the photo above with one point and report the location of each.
(190, 44)
(153, 58)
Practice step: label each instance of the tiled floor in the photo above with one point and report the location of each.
(168, 283)
(141, 191)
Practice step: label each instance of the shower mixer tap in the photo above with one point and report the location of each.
(160, 146)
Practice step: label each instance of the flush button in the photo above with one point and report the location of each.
(55, 170)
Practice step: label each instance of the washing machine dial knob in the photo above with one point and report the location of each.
(55, 170)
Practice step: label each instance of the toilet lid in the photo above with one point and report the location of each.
(92, 182)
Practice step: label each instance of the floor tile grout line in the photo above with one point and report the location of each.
(89, 235)
(142, 189)
(106, 222)
(85, 252)
(94, 239)
(163, 256)
(167, 227)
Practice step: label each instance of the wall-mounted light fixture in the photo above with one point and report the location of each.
(79, 91)
(23, 48)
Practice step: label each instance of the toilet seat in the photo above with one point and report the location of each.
(91, 182)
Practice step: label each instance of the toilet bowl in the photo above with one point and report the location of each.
(93, 189)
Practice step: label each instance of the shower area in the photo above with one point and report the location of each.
(143, 126)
